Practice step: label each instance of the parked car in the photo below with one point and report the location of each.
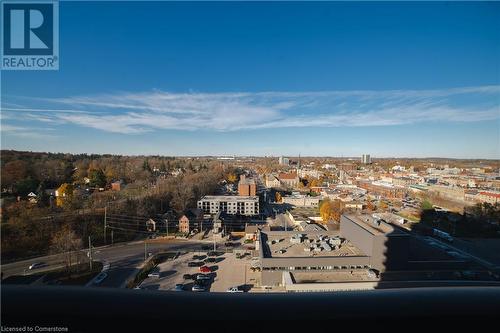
(210, 260)
(197, 257)
(235, 290)
(203, 277)
(205, 269)
(179, 287)
(187, 277)
(99, 278)
(228, 244)
(198, 287)
(373, 273)
(195, 264)
(154, 273)
(36, 265)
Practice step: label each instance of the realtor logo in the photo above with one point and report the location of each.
(30, 35)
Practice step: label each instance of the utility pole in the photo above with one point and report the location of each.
(90, 254)
(145, 250)
(111, 236)
(105, 215)
(166, 225)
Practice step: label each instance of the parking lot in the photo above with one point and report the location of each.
(227, 271)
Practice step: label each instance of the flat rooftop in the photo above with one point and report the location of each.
(370, 224)
(230, 198)
(282, 241)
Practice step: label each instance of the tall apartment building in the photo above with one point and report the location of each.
(365, 159)
(246, 186)
(233, 205)
(283, 161)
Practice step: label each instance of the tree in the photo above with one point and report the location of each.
(97, 178)
(64, 192)
(426, 205)
(231, 178)
(66, 241)
(330, 210)
(277, 197)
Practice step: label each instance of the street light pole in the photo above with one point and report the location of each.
(90, 254)
(145, 249)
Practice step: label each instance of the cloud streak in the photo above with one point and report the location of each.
(135, 113)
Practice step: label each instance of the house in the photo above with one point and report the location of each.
(32, 197)
(272, 181)
(189, 220)
(151, 225)
(117, 185)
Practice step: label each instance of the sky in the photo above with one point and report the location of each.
(317, 79)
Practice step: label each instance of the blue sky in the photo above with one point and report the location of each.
(326, 79)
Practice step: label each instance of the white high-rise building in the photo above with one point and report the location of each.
(284, 161)
(365, 159)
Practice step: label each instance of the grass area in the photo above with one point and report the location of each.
(409, 217)
(78, 275)
(21, 279)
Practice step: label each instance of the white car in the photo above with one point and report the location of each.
(36, 265)
(234, 290)
(155, 273)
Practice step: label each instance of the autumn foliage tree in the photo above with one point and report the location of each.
(330, 210)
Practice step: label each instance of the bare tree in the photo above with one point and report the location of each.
(66, 242)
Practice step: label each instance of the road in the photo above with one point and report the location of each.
(123, 259)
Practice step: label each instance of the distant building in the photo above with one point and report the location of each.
(190, 220)
(384, 190)
(490, 197)
(246, 186)
(365, 159)
(232, 205)
(347, 167)
(289, 179)
(283, 161)
(151, 225)
(272, 181)
(301, 201)
(117, 185)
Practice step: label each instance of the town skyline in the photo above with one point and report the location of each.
(265, 79)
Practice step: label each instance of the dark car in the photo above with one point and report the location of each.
(187, 277)
(195, 264)
(210, 260)
(228, 244)
(213, 254)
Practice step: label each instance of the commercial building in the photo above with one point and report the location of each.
(301, 201)
(365, 159)
(364, 242)
(232, 205)
(382, 189)
(272, 181)
(246, 186)
(490, 197)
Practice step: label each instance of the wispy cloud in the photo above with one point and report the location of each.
(133, 113)
(27, 132)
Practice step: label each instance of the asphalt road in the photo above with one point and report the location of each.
(123, 259)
